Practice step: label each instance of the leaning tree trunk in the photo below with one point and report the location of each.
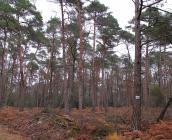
(162, 114)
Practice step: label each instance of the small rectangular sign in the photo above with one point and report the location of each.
(137, 97)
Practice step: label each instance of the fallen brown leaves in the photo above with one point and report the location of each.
(6, 135)
(36, 124)
(161, 131)
(52, 124)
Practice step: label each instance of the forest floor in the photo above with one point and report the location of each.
(52, 124)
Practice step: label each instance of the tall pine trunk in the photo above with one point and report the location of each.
(50, 71)
(3, 74)
(81, 49)
(93, 88)
(22, 79)
(136, 117)
(65, 93)
(147, 77)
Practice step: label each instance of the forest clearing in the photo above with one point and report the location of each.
(71, 70)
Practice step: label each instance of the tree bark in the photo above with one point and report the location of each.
(81, 49)
(50, 71)
(65, 94)
(136, 116)
(93, 88)
(3, 69)
(22, 81)
(147, 76)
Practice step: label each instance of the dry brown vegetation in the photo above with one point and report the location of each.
(6, 135)
(52, 124)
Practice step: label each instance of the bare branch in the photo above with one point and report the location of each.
(161, 9)
(140, 9)
(133, 1)
(145, 6)
(147, 42)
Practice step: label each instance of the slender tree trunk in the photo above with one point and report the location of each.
(21, 73)
(50, 71)
(103, 86)
(65, 94)
(160, 68)
(22, 81)
(3, 75)
(136, 116)
(104, 92)
(129, 78)
(93, 88)
(13, 75)
(147, 76)
(80, 68)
